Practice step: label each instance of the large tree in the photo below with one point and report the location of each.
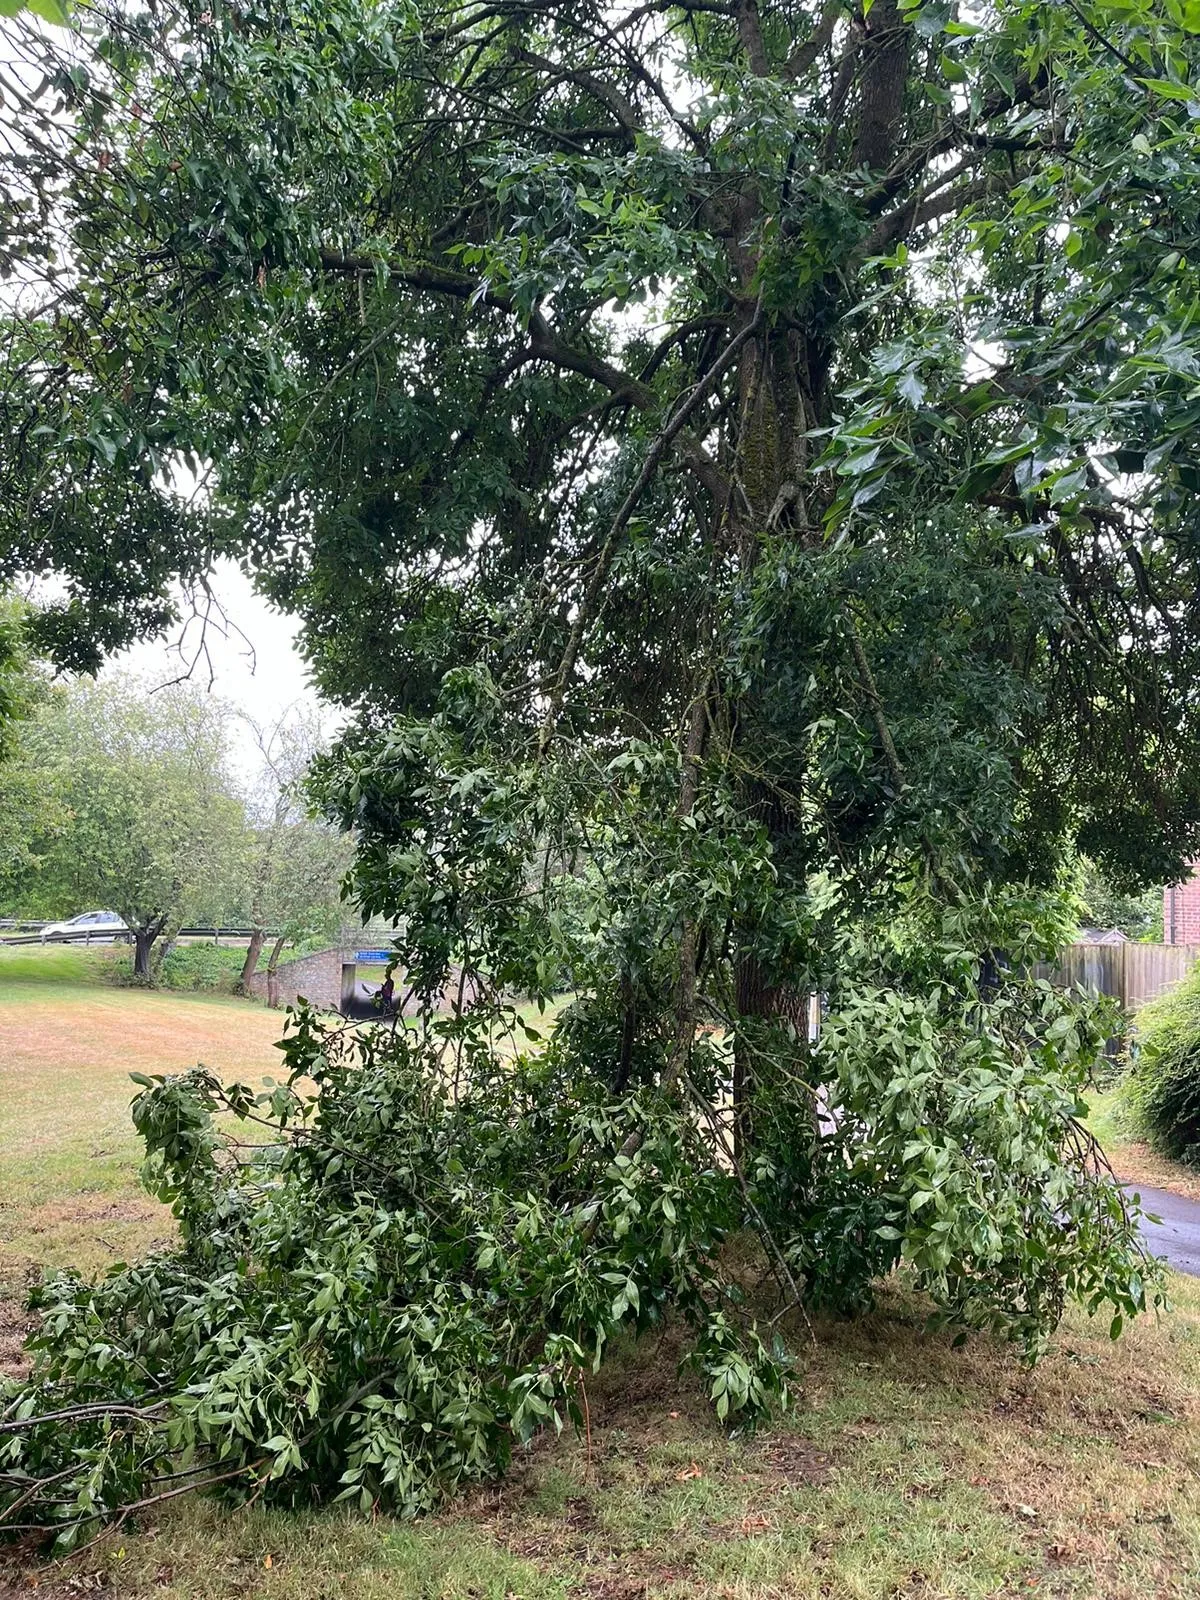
(295, 862)
(641, 358)
(734, 459)
(135, 808)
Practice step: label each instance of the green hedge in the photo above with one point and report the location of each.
(202, 966)
(1162, 1091)
(209, 967)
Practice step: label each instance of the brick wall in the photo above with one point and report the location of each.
(1181, 911)
(317, 977)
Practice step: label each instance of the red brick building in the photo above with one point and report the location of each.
(1181, 910)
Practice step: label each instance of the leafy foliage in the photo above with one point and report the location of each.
(22, 802)
(420, 1268)
(1162, 1089)
(294, 862)
(381, 1302)
(1138, 914)
(13, 668)
(733, 464)
(443, 311)
(138, 812)
(200, 966)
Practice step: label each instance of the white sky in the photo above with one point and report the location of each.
(251, 659)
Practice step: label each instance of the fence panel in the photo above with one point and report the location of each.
(1152, 969)
(1130, 973)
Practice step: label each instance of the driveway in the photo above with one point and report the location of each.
(1177, 1235)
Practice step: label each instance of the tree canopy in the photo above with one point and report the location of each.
(294, 863)
(734, 460)
(581, 345)
(129, 807)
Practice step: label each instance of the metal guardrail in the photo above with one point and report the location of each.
(101, 935)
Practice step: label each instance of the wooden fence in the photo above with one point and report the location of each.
(1131, 973)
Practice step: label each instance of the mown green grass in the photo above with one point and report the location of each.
(907, 1469)
(55, 965)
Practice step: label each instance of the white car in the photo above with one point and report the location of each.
(89, 926)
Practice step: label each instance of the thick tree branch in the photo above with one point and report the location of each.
(910, 163)
(906, 219)
(749, 26)
(802, 58)
(545, 344)
(884, 78)
(418, 275)
(607, 94)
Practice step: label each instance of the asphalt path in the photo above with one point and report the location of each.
(1177, 1235)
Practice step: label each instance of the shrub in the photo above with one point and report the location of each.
(209, 967)
(1162, 1091)
(201, 966)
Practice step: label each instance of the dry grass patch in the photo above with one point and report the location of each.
(1135, 1163)
(1132, 1160)
(69, 1192)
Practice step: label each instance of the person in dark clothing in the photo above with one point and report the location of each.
(387, 996)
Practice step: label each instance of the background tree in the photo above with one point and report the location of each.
(295, 862)
(54, 11)
(142, 818)
(1137, 913)
(14, 685)
(27, 807)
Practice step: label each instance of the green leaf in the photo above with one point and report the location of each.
(1168, 89)
(54, 11)
(912, 389)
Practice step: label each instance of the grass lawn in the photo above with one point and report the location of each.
(908, 1471)
(69, 1193)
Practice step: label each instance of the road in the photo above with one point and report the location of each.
(1177, 1236)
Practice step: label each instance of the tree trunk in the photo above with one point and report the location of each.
(781, 390)
(143, 945)
(777, 388)
(250, 965)
(273, 973)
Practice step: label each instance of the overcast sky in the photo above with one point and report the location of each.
(253, 662)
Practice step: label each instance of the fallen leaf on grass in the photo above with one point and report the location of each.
(694, 1471)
